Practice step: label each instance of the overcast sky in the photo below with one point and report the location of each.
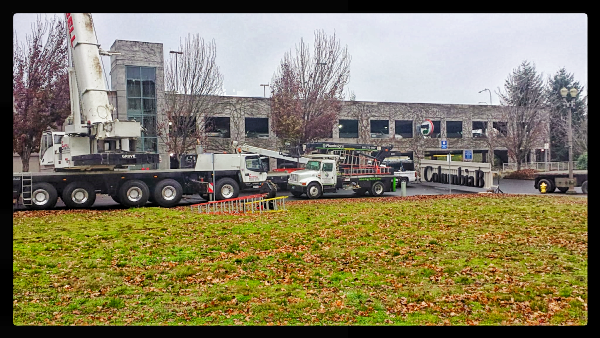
(415, 58)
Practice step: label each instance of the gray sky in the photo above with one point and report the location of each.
(416, 58)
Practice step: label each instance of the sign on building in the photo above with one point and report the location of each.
(444, 144)
(467, 155)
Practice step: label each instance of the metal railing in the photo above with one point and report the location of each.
(542, 166)
(247, 204)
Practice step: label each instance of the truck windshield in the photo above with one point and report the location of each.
(253, 163)
(313, 165)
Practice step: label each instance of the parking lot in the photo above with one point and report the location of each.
(507, 186)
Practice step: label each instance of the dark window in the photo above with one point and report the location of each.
(218, 127)
(257, 127)
(380, 128)
(404, 128)
(500, 127)
(348, 128)
(479, 129)
(454, 129)
(182, 125)
(437, 130)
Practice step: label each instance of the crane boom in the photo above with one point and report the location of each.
(85, 56)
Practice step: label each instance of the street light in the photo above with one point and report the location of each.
(483, 90)
(264, 89)
(176, 74)
(569, 105)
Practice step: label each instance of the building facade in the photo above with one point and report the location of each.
(137, 91)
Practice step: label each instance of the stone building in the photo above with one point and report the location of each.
(137, 81)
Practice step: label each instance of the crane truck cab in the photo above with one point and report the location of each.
(50, 147)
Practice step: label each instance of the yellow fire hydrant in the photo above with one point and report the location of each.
(543, 188)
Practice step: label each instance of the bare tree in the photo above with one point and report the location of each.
(193, 84)
(307, 90)
(524, 112)
(40, 85)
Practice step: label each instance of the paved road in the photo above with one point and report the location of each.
(507, 186)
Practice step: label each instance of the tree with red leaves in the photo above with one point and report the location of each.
(40, 85)
(307, 91)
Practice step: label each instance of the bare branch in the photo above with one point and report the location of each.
(193, 85)
(307, 91)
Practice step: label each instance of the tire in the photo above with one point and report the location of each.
(360, 191)
(226, 188)
(377, 189)
(167, 193)
(314, 190)
(78, 195)
(404, 179)
(563, 189)
(584, 187)
(43, 197)
(296, 194)
(134, 193)
(549, 185)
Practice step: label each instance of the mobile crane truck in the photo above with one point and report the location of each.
(92, 158)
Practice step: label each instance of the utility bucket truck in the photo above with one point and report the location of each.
(93, 153)
(330, 166)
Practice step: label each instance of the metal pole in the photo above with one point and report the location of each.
(571, 189)
(449, 176)
(213, 178)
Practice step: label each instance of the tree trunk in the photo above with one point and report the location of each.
(25, 156)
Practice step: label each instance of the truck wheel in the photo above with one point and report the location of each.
(404, 179)
(79, 195)
(584, 187)
(563, 189)
(377, 189)
(314, 190)
(296, 193)
(549, 185)
(134, 193)
(360, 191)
(43, 197)
(227, 188)
(167, 193)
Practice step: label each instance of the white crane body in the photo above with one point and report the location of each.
(92, 139)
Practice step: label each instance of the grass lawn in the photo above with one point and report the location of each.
(474, 259)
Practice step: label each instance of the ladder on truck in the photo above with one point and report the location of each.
(26, 189)
(352, 163)
(271, 153)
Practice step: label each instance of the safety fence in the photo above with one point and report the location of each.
(247, 204)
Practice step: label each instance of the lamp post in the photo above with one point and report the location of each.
(264, 89)
(176, 73)
(483, 90)
(563, 92)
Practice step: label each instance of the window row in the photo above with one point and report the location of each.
(406, 129)
(257, 127)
